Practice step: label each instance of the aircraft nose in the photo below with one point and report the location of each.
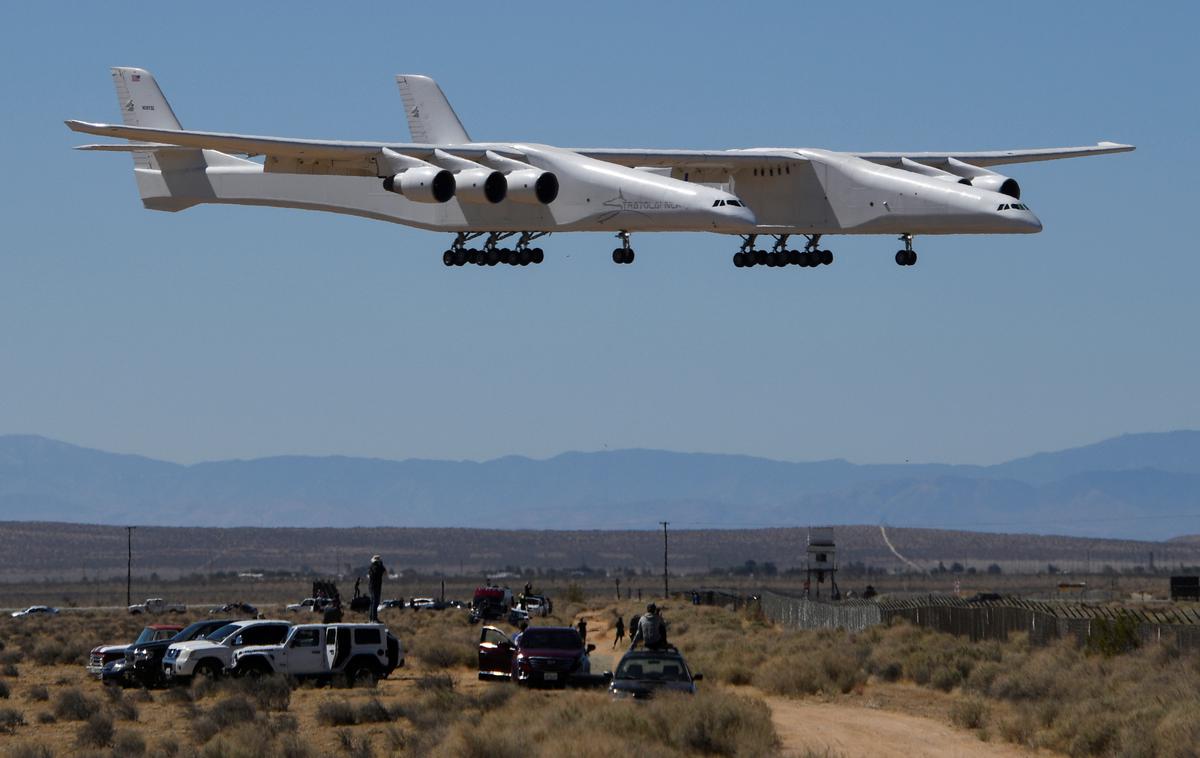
(1024, 221)
(745, 215)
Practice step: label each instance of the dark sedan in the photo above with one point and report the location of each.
(142, 664)
(642, 673)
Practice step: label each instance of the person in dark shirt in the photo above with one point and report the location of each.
(620, 631)
(375, 585)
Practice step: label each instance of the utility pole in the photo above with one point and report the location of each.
(666, 584)
(129, 565)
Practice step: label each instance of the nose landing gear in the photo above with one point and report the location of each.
(907, 256)
(624, 253)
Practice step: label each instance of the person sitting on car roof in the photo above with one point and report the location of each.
(651, 630)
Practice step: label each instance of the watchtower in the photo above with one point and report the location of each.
(822, 562)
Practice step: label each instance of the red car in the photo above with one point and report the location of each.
(541, 655)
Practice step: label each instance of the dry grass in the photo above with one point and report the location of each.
(1141, 702)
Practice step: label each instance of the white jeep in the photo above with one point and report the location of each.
(358, 653)
(210, 656)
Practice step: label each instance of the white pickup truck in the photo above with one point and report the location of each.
(355, 653)
(156, 605)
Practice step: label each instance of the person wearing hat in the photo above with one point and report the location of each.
(651, 630)
(375, 586)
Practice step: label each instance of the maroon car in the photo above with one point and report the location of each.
(541, 655)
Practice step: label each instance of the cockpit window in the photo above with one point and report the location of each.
(1012, 207)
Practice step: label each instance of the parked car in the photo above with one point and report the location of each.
(490, 603)
(35, 610)
(537, 605)
(156, 605)
(517, 615)
(541, 655)
(355, 653)
(142, 663)
(210, 656)
(235, 609)
(393, 603)
(311, 604)
(102, 655)
(642, 673)
(426, 603)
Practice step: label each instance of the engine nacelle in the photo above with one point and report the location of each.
(480, 185)
(984, 179)
(532, 186)
(427, 184)
(997, 183)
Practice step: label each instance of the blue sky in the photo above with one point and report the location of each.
(241, 332)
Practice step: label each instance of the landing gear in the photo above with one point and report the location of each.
(491, 254)
(907, 256)
(779, 255)
(624, 253)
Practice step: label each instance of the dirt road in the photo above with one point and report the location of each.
(851, 730)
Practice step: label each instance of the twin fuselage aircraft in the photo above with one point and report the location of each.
(490, 192)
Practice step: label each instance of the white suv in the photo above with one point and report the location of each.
(361, 653)
(211, 655)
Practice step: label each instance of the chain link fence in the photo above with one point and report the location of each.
(988, 620)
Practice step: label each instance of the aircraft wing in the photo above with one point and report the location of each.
(282, 154)
(693, 159)
(999, 157)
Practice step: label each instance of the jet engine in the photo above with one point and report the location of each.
(997, 183)
(533, 186)
(428, 184)
(480, 185)
(984, 179)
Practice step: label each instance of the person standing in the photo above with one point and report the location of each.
(651, 630)
(620, 631)
(375, 585)
(581, 627)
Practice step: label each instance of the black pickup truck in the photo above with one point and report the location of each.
(142, 664)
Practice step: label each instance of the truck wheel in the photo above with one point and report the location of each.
(361, 675)
(208, 669)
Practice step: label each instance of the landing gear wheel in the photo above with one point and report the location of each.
(901, 257)
(628, 255)
(460, 257)
(448, 258)
(912, 257)
(493, 257)
(472, 256)
(794, 257)
(760, 257)
(536, 255)
(739, 260)
(619, 255)
(524, 258)
(826, 257)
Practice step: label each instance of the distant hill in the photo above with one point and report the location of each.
(1131, 486)
(40, 550)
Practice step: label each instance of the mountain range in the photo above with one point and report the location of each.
(1136, 486)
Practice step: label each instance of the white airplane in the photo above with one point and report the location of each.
(495, 191)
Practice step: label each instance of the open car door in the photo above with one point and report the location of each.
(495, 654)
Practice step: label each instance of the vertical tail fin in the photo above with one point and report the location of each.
(431, 120)
(142, 102)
